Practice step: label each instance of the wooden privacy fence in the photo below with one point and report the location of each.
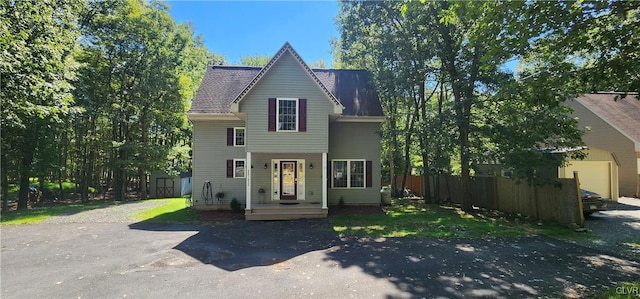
(557, 202)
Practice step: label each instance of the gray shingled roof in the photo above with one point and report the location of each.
(624, 114)
(222, 84)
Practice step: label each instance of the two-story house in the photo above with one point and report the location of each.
(612, 123)
(285, 140)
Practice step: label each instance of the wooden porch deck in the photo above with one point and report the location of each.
(276, 211)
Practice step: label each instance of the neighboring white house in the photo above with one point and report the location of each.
(185, 186)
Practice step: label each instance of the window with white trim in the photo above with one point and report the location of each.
(239, 167)
(238, 136)
(287, 115)
(348, 173)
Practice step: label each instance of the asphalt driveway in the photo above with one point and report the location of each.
(617, 229)
(288, 259)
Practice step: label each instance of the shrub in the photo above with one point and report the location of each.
(341, 201)
(235, 205)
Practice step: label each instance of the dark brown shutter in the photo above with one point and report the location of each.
(230, 137)
(369, 174)
(272, 114)
(229, 168)
(302, 115)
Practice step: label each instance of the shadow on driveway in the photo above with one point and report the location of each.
(236, 245)
(424, 267)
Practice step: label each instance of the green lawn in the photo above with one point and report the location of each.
(173, 211)
(628, 290)
(67, 186)
(36, 215)
(406, 218)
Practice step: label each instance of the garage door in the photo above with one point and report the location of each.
(594, 176)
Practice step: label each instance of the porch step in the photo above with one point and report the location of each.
(285, 212)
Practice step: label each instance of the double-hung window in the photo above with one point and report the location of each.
(238, 136)
(287, 117)
(239, 168)
(348, 173)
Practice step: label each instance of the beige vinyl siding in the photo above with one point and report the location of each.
(604, 136)
(286, 79)
(351, 140)
(261, 178)
(210, 155)
(598, 172)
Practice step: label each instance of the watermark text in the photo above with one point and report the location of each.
(628, 290)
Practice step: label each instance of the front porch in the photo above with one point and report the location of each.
(275, 211)
(286, 186)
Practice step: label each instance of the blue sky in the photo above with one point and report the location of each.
(243, 28)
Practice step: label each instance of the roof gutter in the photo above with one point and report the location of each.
(195, 116)
(361, 119)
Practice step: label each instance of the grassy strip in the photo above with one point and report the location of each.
(627, 290)
(405, 218)
(67, 186)
(38, 214)
(174, 211)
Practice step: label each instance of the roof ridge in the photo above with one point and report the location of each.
(286, 48)
(339, 70)
(614, 92)
(236, 67)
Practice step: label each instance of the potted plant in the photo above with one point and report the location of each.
(219, 195)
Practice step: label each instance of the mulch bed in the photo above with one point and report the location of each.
(223, 215)
(355, 210)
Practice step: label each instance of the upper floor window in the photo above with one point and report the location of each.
(238, 136)
(287, 115)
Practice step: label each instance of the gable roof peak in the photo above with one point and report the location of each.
(284, 49)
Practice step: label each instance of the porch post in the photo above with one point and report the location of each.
(324, 181)
(247, 169)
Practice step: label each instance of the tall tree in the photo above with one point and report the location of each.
(215, 59)
(37, 46)
(599, 40)
(140, 69)
(255, 60)
(319, 64)
(451, 51)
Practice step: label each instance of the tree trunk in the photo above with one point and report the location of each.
(394, 150)
(460, 103)
(5, 183)
(407, 151)
(63, 163)
(439, 146)
(25, 172)
(142, 173)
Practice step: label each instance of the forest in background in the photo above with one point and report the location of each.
(96, 92)
(452, 94)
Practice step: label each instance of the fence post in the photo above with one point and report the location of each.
(496, 201)
(535, 200)
(579, 196)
